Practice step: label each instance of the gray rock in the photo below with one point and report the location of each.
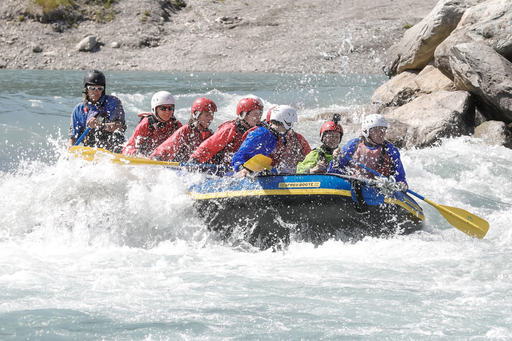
(56, 27)
(427, 119)
(408, 85)
(489, 23)
(495, 133)
(398, 90)
(431, 80)
(87, 44)
(115, 45)
(477, 68)
(416, 49)
(36, 48)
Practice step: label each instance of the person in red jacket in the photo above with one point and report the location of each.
(220, 147)
(185, 140)
(155, 127)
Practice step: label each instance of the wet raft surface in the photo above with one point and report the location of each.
(271, 210)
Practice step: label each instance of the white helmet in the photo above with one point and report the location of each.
(372, 121)
(161, 98)
(284, 114)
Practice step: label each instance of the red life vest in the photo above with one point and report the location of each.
(376, 159)
(221, 146)
(149, 134)
(181, 144)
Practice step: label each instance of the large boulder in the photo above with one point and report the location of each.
(427, 119)
(477, 68)
(489, 23)
(408, 85)
(398, 90)
(416, 49)
(495, 133)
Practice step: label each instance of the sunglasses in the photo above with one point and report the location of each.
(169, 108)
(95, 88)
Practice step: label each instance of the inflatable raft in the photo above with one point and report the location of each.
(270, 210)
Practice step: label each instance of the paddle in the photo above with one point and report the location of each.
(466, 222)
(95, 154)
(258, 163)
(82, 137)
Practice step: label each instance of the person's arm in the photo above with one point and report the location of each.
(259, 141)
(75, 127)
(139, 137)
(168, 150)
(309, 162)
(399, 171)
(339, 163)
(214, 144)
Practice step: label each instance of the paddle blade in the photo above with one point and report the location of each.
(96, 154)
(258, 163)
(468, 223)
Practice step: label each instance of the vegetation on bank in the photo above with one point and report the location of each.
(72, 11)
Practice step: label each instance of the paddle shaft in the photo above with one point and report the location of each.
(82, 137)
(455, 216)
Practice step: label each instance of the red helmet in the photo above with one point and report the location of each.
(203, 104)
(269, 113)
(248, 104)
(331, 126)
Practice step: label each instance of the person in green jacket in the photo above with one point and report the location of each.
(318, 159)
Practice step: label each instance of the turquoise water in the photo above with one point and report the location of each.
(118, 253)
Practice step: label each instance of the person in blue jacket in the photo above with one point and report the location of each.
(372, 150)
(277, 140)
(104, 114)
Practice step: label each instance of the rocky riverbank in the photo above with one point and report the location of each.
(345, 36)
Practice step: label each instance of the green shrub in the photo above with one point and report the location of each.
(50, 5)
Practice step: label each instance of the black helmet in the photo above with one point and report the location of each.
(94, 77)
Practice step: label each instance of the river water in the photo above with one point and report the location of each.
(104, 252)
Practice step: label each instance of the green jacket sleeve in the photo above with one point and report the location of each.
(309, 162)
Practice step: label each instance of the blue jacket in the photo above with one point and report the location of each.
(111, 106)
(343, 166)
(259, 141)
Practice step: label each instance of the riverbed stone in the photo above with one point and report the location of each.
(495, 133)
(87, 44)
(479, 69)
(428, 118)
(416, 49)
(489, 23)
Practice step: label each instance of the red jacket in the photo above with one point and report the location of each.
(285, 157)
(181, 144)
(220, 147)
(149, 134)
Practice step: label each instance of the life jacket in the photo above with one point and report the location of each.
(101, 138)
(289, 151)
(376, 159)
(163, 129)
(181, 144)
(233, 143)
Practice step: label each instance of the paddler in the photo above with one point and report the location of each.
(277, 140)
(372, 150)
(318, 160)
(220, 147)
(185, 140)
(155, 127)
(103, 113)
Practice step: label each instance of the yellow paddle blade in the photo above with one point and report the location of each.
(468, 223)
(97, 154)
(258, 162)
